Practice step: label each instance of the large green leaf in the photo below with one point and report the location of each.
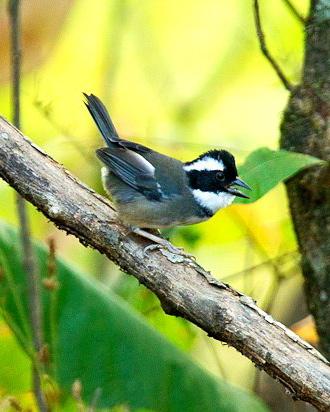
(13, 380)
(97, 338)
(263, 169)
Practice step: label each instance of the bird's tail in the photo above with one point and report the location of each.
(102, 118)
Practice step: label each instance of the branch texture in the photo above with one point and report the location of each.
(306, 129)
(183, 287)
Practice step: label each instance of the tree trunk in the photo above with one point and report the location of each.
(306, 129)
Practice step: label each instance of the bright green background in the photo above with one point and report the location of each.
(182, 77)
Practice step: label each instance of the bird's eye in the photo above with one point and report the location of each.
(220, 176)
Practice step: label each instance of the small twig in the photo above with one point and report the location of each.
(269, 262)
(215, 355)
(258, 245)
(294, 11)
(96, 396)
(30, 266)
(51, 284)
(76, 391)
(51, 262)
(46, 112)
(264, 49)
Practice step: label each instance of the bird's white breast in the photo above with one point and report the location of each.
(212, 201)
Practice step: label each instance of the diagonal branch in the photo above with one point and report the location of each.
(264, 49)
(183, 287)
(294, 11)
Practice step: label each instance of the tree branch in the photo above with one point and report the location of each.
(294, 11)
(264, 49)
(183, 287)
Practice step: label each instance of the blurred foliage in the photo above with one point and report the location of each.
(94, 335)
(182, 77)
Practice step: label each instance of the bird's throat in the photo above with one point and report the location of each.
(212, 201)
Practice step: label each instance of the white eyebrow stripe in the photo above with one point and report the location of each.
(207, 163)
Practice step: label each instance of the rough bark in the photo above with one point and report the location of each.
(306, 129)
(183, 287)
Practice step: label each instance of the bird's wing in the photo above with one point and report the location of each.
(124, 158)
(132, 168)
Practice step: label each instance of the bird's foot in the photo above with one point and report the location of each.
(160, 243)
(169, 247)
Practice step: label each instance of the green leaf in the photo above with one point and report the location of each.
(96, 337)
(17, 379)
(263, 169)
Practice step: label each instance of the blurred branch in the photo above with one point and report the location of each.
(30, 266)
(46, 112)
(264, 49)
(184, 288)
(294, 11)
(15, 33)
(51, 284)
(278, 260)
(209, 343)
(258, 245)
(114, 45)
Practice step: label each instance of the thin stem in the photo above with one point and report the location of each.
(264, 49)
(96, 396)
(215, 355)
(12, 288)
(258, 245)
(294, 11)
(30, 269)
(53, 286)
(269, 262)
(17, 332)
(28, 256)
(272, 292)
(46, 112)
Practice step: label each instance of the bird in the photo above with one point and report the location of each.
(152, 191)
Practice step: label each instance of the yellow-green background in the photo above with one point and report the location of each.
(181, 76)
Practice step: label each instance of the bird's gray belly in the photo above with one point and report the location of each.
(153, 214)
(136, 210)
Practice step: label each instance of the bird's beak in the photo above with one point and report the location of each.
(238, 182)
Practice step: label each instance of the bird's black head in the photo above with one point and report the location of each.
(215, 172)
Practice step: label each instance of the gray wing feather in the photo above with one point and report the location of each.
(122, 157)
(129, 167)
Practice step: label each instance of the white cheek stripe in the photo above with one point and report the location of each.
(208, 163)
(213, 201)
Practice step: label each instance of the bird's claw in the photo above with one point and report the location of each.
(169, 248)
